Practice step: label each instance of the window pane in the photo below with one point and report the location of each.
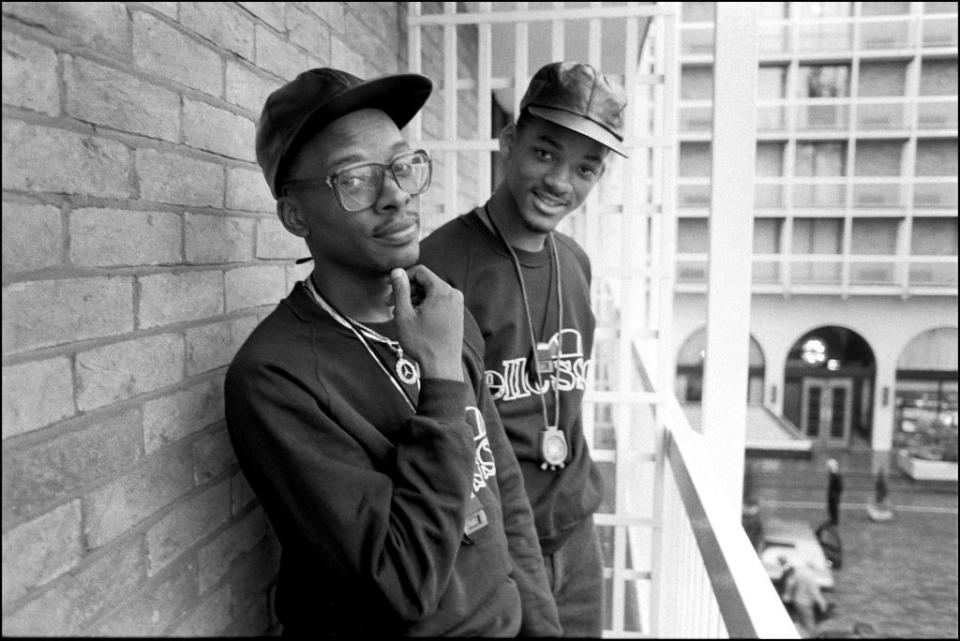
(771, 82)
(874, 236)
(696, 83)
(878, 158)
(882, 78)
(821, 158)
(693, 236)
(937, 158)
(938, 77)
(766, 235)
(770, 158)
(823, 81)
(694, 159)
(934, 237)
(817, 235)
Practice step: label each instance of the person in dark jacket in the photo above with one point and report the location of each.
(834, 490)
(357, 409)
(528, 287)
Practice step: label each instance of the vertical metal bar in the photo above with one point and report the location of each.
(790, 149)
(484, 97)
(414, 35)
(624, 358)
(633, 254)
(521, 61)
(850, 182)
(665, 47)
(450, 178)
(908, 167)
(557, 37)
(668, 50)
(619, 562)
(731, 233)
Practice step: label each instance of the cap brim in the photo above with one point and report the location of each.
(581, 125)
(400, 96)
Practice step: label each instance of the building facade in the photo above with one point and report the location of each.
(854, 271)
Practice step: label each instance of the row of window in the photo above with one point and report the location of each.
(938, 77)
(934, 157)
(933, 236)
(704, 11)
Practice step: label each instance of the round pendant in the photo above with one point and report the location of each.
(553, 447)
(408, 372)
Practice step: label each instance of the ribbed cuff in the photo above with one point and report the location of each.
(442, 399)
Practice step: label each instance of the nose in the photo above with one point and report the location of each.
(392, 197)
(558, 180)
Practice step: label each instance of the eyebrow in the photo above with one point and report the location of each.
(547, 139)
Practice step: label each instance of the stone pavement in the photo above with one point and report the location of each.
(898, 577)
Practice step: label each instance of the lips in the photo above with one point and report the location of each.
(549, 201)
(400, 231)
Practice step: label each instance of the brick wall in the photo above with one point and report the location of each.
(140, 248)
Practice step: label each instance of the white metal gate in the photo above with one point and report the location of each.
(481, 57)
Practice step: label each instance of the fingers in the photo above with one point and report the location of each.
(424, 277)
(401, 291)
(430, 285)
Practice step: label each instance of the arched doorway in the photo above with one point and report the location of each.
(689, 380)
(925, 399)
(828, 385)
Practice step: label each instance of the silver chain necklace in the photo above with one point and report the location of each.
(553, 442)
(407, 371)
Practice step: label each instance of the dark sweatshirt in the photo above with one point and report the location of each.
(467, 254)
(369, 500)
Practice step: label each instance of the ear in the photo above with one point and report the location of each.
(291, 215)
(508, 138)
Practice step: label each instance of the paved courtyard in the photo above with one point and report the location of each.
(900, 577)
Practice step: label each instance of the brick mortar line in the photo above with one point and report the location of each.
(87, 344)
(64, 46)
(84, 201)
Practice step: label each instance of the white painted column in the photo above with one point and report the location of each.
(881, 437)
(731, 240)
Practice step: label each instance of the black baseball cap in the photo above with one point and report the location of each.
(315, 98)
(577, 96)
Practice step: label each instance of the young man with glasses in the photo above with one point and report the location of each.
(529, 289)
(357, 408)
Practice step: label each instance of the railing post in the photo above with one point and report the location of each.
(731, 234)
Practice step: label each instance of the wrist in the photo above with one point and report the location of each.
(447, 368)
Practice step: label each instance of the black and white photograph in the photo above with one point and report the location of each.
(480, 319)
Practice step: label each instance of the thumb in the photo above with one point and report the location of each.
(401, 292)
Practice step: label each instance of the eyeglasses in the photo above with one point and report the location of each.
(359, 186)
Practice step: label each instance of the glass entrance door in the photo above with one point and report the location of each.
(825, 409)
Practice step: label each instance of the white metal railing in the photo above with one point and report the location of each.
(712, 584)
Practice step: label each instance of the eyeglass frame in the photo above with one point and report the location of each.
(330, 180)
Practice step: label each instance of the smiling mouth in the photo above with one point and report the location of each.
(549, 201)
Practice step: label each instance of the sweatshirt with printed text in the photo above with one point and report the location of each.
(369, 499)
(467, 254)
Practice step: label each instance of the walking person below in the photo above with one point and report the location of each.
(802, 594)
(834, 490)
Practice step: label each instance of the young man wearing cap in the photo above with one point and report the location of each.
(529, 289)
(357, 408)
